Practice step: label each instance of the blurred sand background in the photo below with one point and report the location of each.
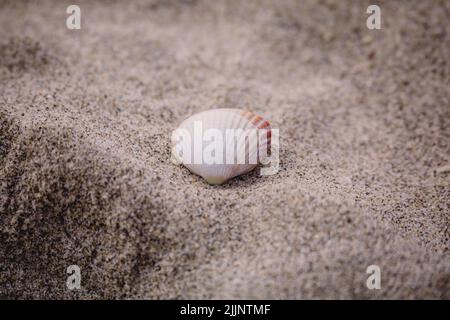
(85, 175)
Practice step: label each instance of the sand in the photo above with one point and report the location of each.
(85, 171)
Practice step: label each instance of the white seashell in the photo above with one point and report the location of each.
(220, 144)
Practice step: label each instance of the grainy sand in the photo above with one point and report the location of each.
(86, 179)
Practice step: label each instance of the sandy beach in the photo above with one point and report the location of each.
(85, 171)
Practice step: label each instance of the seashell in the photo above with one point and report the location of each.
(220, 144)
